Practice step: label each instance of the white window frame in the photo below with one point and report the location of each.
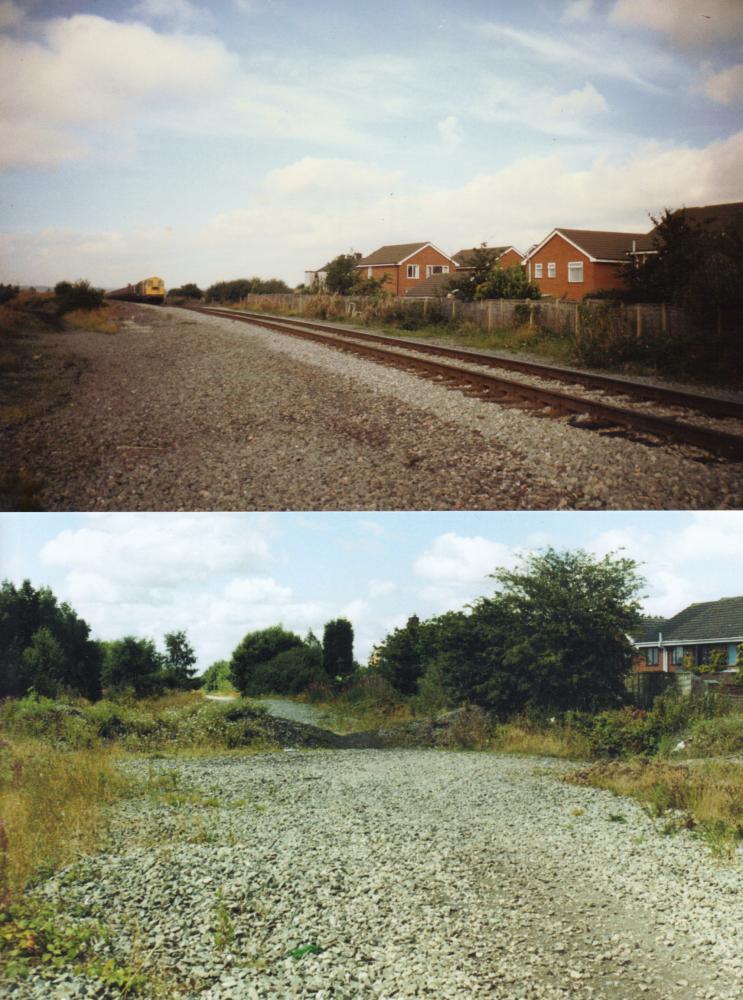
(414, 270)
(369, 271)
(551, 269)
(573, 265)
(436, 269)
(538, 270)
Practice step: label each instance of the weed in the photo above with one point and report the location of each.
(224, 930)
(617, 818)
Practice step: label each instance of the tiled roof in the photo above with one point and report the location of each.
(434, 284)
(464, 256)
(647, 629)
(702, 622)
(715, 217)
(392, 254)
(603, 245)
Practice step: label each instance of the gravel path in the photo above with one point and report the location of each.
(178, 413)
(419, 874)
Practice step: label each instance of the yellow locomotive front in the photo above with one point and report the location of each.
(151, 290)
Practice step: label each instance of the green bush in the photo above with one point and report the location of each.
(80, 295)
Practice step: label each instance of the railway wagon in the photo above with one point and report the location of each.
(150, 290)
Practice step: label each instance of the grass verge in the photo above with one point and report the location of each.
(706, 796)
(52, 804)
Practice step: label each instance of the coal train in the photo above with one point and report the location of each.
(150, 290)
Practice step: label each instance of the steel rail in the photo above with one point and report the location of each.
(501, 389)
(616, 385)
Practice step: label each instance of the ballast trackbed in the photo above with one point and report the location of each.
(506, 391)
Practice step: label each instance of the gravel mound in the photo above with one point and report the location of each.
(206, 413)
(412, 874)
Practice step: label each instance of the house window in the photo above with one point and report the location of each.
(552, 270)
(538, 270)
(651, 656)
(732, 654)
(575, 271)
(436, 269)
(413, 270)
(677, 656)
(369, 271)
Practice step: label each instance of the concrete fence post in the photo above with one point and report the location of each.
(490, 316)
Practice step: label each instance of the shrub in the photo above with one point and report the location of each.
(8, 292)
(81, 295)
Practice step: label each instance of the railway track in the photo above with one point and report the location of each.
(474, 374)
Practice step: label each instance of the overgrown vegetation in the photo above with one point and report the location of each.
(707, 797)
(78, 295)
(233, 291)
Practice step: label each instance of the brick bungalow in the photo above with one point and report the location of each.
(573, 263)
(406, 264)
(694, 633)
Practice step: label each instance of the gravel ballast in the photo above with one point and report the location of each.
(205, 413)
(417, 873)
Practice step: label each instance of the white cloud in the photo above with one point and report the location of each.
(91, 72)
(595, 55)
(725, 87)
(450, 132)
(251, 590)
(320, 178)
(381, 588)
(577, 10)
(457, 559)
(686, 22)
(158, 551)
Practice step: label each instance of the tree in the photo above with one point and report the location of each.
(479, 268)
(44, 662)
(696, 265)
(180, 659)
(507, 283)
(563, 619)
(217, 676)
(187, 291)
(256, 650)
(132, 664)
(484, 279)
(337, 649)
(400, 659)
(62, 654)
(341, 273)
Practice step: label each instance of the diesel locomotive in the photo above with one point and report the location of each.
(150, 290)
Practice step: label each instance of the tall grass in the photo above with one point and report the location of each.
(52, 807)
(709, 794)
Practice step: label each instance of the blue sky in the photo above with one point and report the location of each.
(221, 575)
(206, 141)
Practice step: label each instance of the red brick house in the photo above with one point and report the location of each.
(690, 637)
(505, 256)
(438, 284)
(405, 265)
(573, 263)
